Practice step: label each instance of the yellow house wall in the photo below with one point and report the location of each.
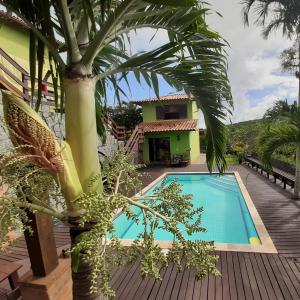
(194, 140)
(15, 42)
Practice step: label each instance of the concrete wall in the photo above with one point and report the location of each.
(56, 123)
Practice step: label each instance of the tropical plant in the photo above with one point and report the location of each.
(240, 149)
(244, 133)
(94, 35)
(280, 108)
(290, 58)
(127, 114)
(272, 15)
(281, 132)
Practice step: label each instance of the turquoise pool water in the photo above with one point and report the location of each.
(225, 216)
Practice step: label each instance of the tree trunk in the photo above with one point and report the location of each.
(81, 135)
(81, 130)
(297, 177)
(81, 279)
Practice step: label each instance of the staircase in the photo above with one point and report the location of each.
(15, 78)
(136, 138)
(119, 132)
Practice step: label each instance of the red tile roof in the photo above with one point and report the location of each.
(169, 125)
(4, 16)
(166, 98)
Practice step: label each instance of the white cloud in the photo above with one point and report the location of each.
(253, 62)
(147, 39)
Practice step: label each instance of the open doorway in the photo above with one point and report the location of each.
(159, 149)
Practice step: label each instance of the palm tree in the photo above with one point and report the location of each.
(279, 109)
(95, 36)
(281, 131)
(272, 15)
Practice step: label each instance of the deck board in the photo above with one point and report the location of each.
(249, 276)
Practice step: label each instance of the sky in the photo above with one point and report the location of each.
(253, 62)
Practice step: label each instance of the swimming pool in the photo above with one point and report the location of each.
(225, 212)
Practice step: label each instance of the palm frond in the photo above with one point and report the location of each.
(281, 132)
(203, 75)
(272, 14)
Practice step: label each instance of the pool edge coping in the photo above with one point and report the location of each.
(267, 245)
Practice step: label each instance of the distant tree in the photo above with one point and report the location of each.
(290, 58)
(272, 15)
(280, 108)
(245, 133)
(127, 114)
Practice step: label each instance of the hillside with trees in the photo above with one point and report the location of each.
(247, 134)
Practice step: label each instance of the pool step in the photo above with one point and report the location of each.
(224, 180)
(219, 183)
(221, 186)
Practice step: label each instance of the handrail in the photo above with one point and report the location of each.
(13, 62)
(119, 132)
(21, 88)
(135, 138)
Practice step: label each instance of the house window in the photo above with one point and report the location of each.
(171, 112)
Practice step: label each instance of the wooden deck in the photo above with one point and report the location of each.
(244, 275)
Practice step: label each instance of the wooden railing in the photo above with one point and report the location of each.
(286, 178)
(136, 138)
(119, 132)
(18, 85)
(16, 79)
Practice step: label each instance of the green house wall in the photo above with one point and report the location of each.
(149, 109)
(181, 143)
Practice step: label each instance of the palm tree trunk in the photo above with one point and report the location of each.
(81, 135)
(81, 278)
(297, 177)
(81, 130)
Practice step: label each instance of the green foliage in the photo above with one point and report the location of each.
(279, 134)
(24, 186)
(245, 133)
(127, 114)
(290, 58)
(96, 36)
(280, 109)
(240, 149)
(165, 209)
(231, 159)
(272, 15)
(286, 153)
